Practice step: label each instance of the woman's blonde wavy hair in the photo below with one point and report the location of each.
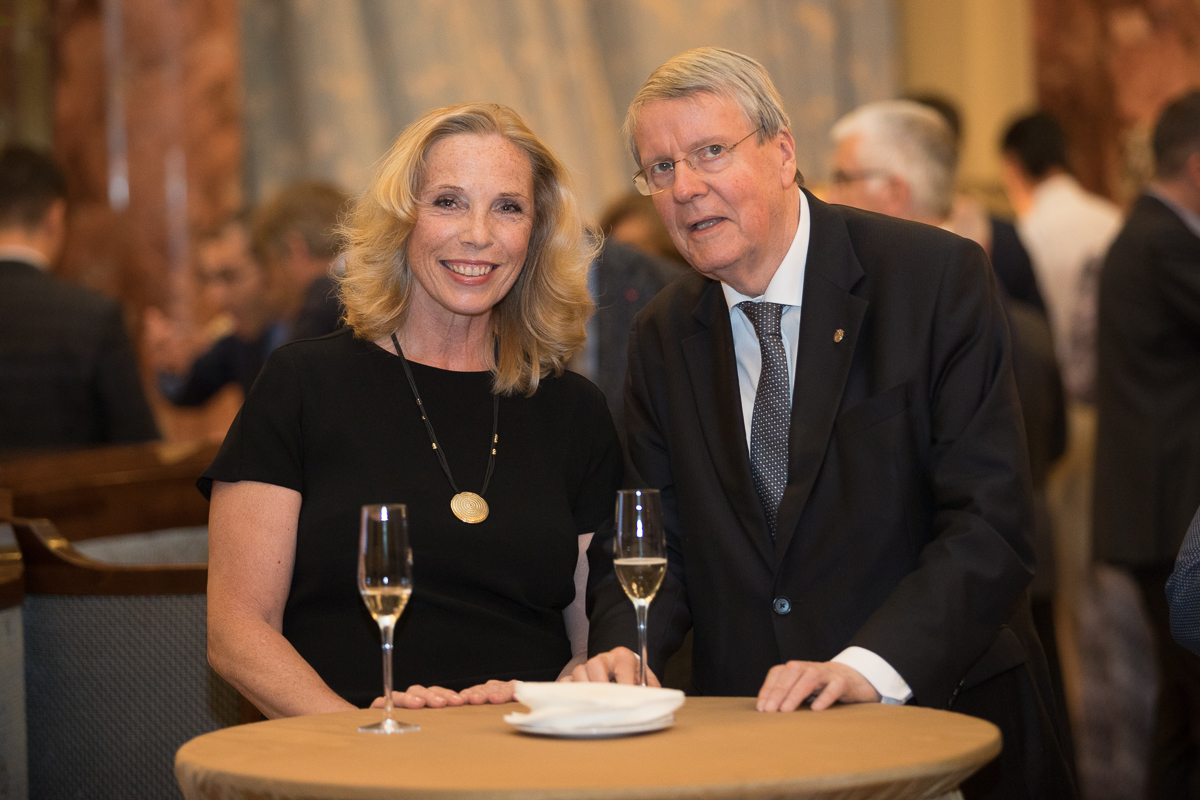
(540, 322)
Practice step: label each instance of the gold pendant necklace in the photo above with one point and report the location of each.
(467, 506)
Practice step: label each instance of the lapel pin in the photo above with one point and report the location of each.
(838, 335)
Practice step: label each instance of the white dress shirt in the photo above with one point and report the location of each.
(1064, 229)
(787, 289)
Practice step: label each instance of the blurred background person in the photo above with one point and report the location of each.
(296, 236)
(637, 259)
(466, 294)
(899, 158)
(191, 367)
(895, 157)
(1147, 475)
(68, 374)
(1067, 231)
(632, 220)
(622, 280)
(998, 237)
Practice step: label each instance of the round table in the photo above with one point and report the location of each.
(719, 747)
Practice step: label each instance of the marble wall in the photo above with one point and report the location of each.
(147, 123)
(980, 56)
(26, 93)
(1106, 68)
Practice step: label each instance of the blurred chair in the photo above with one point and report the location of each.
(116, 672)
(13, 754)
(108, 491)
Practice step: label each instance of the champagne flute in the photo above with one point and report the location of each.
(640, 555)
(385, 583)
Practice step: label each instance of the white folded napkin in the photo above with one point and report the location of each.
(586, 706)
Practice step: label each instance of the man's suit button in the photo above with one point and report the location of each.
(782, 606)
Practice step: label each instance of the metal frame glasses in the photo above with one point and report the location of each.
(711, 158)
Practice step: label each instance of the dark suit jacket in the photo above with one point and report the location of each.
(1183, 590)
(68, 376)
(1044, 409)
(1147, 483)
(905, 527)
(231, 359)
(1014, 269)
(320, 313)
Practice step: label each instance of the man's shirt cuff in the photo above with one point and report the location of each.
(891, 687)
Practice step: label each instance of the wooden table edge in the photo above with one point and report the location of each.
(946, 774)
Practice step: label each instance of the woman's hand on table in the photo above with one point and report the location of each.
(418, 696)
(619, 665)
(494, 692)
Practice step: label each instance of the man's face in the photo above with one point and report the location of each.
(232, 281)
(730, 225)
(855, 184)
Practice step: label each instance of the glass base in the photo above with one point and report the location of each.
(389, 725)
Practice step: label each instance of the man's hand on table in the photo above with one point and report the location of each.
(418, 696)
(788, 685)
(619, 665)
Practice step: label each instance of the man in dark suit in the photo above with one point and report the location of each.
(900, 158)
(68, 376)
(846, 492)
(1147, 482)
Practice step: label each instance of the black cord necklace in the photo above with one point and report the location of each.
(467, 506)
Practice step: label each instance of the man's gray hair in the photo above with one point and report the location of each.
(716, 71)
(912, 142)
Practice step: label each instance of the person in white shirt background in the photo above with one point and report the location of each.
(1067, 231)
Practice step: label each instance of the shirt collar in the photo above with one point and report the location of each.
(787, 284)
(1189, 217)
(1062, 182)
(26, 255)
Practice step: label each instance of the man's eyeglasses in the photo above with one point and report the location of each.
(660, 176)
(841, 177)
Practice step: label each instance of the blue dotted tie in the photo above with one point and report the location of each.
(772, 411)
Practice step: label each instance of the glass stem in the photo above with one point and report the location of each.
(387, 629)
(642, 609)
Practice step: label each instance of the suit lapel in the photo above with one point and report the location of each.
(822, 364)
(712, 368)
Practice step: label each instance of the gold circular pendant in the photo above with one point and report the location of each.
(469, 507)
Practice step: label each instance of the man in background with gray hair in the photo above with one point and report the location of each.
(827, 408)
(897, 158)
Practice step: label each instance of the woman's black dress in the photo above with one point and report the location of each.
(334, 419)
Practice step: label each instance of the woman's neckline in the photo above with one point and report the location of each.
(422, 365)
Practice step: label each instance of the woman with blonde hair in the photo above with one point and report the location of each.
(465, 295)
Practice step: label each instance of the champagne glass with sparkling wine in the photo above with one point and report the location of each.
(640, 555)
(385, 583)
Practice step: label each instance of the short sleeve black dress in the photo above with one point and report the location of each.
(334, 419)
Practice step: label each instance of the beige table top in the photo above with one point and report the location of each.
(719, 747)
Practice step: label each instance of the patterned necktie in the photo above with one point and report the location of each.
(772, 410)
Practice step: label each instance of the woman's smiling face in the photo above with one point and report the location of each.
(473, 225)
